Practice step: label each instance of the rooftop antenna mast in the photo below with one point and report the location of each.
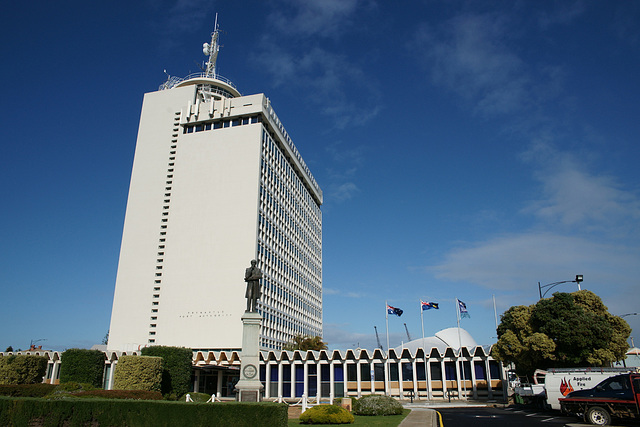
(211, 49)
(378, 338)
(407, 329)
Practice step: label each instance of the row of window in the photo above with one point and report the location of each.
(163, 230)
(220, 124)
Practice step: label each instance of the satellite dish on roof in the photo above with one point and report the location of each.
(205, 48)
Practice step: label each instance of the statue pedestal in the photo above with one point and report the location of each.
(249, 388)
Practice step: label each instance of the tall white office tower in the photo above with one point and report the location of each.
(216, 182)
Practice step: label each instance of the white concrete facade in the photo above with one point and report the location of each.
(216, 182)
(429, 374)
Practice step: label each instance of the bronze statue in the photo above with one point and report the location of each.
(252, 276)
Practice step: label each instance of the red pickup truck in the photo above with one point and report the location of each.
(617, 396)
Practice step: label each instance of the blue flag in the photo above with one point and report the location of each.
(393, 310)
(463, 309)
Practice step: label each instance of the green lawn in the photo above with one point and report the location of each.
(380, 421)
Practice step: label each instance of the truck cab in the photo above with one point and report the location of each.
(618, 396)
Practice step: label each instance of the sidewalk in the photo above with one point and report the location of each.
(434, 404)
(422, 417)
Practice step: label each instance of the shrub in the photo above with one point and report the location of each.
(82, 366)
(22, 369)
(138, 373)
(134, 413)
(176, 374)
(377, 405)
(27, 390)
(74, 386)
(119, 394)
(326, 414)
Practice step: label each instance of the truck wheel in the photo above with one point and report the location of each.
(597, 416)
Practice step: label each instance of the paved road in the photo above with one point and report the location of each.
(511, 416)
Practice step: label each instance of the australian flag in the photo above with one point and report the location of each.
(393, 310)
(429, 305)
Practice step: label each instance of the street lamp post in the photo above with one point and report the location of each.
(577, 280)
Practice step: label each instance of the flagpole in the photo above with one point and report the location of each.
(495, 312)
(464, 379)
(422, 322)
(386, 362)
(386, 311)
(424, 352)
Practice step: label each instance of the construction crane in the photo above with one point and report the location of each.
(407, 329)
(378, 338)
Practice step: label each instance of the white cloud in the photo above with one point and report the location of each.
(313, 17)
(575, 197)
(585, 224)
(468, 55)
(325, 79)
(516, 262)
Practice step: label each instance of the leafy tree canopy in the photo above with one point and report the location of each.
(567, 330)
(306, 342)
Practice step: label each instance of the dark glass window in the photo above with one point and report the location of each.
(420, 372)
(365, 374)
(450, 370)
(199, 128)
(207, 126)
(494, 370)
(378, 369)
(481, 372)
(217, 125)
(393, 372)
(407, 372)
(324, 373)
(352, 372)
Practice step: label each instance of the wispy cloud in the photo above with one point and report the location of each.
(574, 197)
(468, 55)
(315, 17)
(583, 224)
(326, 79)
(512, 262)
(473, 55)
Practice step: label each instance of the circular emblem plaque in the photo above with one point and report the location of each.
(249, 371)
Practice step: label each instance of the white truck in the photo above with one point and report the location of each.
(554, 383)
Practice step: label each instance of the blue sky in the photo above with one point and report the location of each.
(465, 149)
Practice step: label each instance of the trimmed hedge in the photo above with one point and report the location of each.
(133, 413)
(176, 374)
(82, 366)
(119, 394)
(326, 414)
(377, 405)
(27, 390)
(22, 369)
(138, 373)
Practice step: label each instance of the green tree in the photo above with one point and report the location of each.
(567, 330)
(306, 342)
